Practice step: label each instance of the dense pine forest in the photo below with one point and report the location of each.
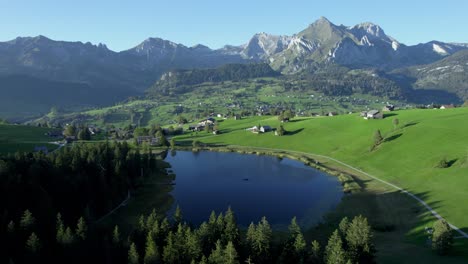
(81, 182)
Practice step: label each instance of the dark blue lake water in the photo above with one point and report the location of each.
(254, 186)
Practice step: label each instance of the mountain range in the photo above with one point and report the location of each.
(104, 76)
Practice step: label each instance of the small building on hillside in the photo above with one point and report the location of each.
(332, 114)
(373, 114)
(285, 120)
(388, 108)
(254, 129)
(265, 129)
(152, 141)
(447, 106)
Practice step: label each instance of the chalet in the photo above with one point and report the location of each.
(237, 117)
(447, 106)
(332, 114)
(254, 129)
(93, 130)
(265, 129)
(152, 141)
(374, 114)
(388, 108)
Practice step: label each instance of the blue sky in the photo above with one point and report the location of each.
(122, 24)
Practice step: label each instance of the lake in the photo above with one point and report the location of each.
(253, 185)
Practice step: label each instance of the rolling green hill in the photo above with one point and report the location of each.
(408, 157)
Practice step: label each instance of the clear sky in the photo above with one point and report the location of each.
(122, 24)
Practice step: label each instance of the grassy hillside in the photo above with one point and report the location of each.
(408, 157)
(23, 138)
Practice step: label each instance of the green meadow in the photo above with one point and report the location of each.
(15, 138)
(408, 157)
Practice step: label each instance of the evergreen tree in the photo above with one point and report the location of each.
(377, 138)
(343, 226)
(217, 255)
(334, 252)
(264, 235)
(231, 231)
(33, 243)
(27, 220)
(133, 254)
(151, 250)
(170, 252)
(70, 130)
(358, 238)
(81, 229)
(315, 252)
(219, 225)
(294, 229)
(230, 254)
(116, 235)
(68, 237)
(178, 215)
(141, 224)
(150, 220)
(396, 122)
(251, 235)
(280, 131)
(442, 237)
(300, 247)
(204, 260)
(60, 229)
(192, 245)
(11, 227)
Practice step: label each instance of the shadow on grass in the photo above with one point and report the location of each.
(410, 124)
(389, 115)
(389, 139)
(294, 132)
(295, 120)
(451, 162)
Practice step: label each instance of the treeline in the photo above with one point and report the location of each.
(179, 81)
(344, 84)
(155, 239)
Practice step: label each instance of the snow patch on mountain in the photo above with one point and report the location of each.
(438, 49)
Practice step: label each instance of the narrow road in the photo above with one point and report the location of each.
(433, 212)
(123, 203)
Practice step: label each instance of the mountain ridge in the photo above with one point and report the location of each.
(132, 71)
